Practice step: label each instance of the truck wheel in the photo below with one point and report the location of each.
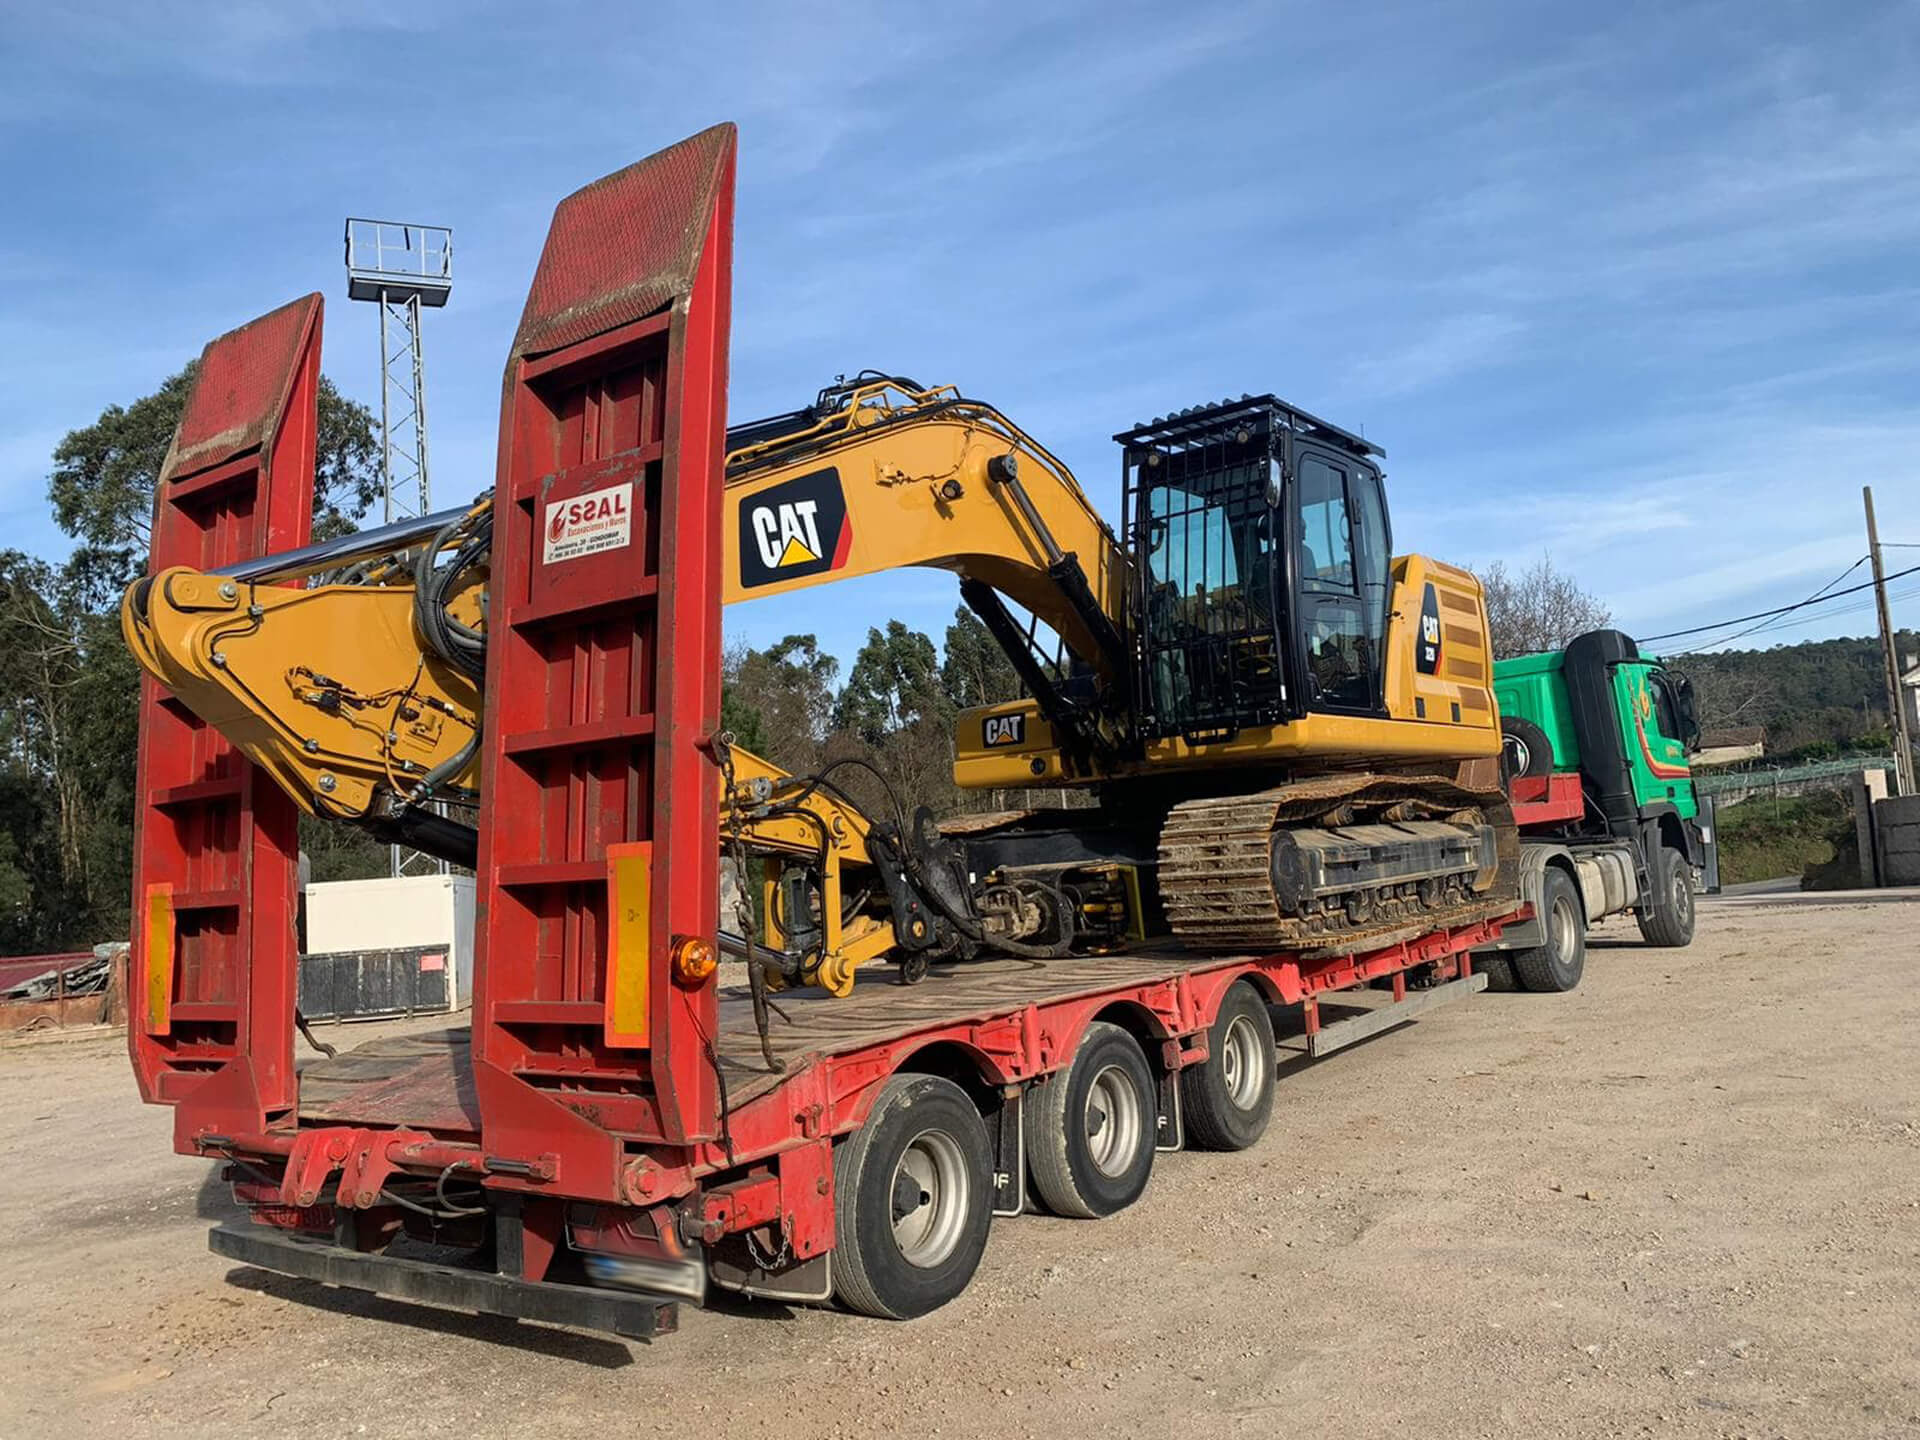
(912, 1200)
(1557, 962)
(1498, 970)
(1227, 1102)
(1091, 1142)
(1524, 748)
(1667, 917)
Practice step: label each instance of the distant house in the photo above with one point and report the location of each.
(1729, 747)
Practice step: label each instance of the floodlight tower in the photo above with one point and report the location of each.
(402, 268)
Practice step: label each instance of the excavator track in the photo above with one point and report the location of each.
(1216, 870)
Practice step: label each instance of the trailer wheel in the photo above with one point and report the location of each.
(1090, 1145)
(912, 1200)
(1227, 1102)
(1556, 963)
(1667, 917)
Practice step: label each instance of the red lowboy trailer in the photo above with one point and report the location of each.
(608, 1137)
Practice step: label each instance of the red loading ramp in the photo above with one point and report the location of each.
(215, 889)
(603, 676)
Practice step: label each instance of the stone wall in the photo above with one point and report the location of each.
(1898, 822)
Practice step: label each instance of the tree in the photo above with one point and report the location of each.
(1538, 609)
(68, 687)
(894, 683)
(41, 649)
(1817, 697)
(104, 475)
(976, 670)
(782, 699)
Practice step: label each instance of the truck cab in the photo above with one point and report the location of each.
(1595, 744)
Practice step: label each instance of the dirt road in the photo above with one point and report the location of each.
(1684, 1200)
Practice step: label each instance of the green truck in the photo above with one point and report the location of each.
(1596, 743)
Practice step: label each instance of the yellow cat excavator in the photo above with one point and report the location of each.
(1288, 731)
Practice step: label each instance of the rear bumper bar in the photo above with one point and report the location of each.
(636, 1316)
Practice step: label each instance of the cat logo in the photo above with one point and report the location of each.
(1005, 729)
(1426, 658)
(794, 529)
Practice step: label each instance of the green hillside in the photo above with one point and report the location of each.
(1821, 697)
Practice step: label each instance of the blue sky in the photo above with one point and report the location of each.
(1632, 285)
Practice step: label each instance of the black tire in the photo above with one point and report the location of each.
(1524, 748)
(1556, 963)
(1667, 917)
(1498, 970)
(923, 1136)
(1091, 1127)
(1227, 1102)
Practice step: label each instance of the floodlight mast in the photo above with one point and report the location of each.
(402, 268)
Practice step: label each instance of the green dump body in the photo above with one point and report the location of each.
(1646, 709)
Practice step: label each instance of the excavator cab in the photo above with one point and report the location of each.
(1261, 550)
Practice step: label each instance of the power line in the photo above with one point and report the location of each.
(1775, 620)
(1817, 598)
(1784, 623)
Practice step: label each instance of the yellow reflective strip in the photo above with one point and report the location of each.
(629, 967)
(159, 1015)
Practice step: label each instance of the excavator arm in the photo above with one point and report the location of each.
(882, 473)
(359, 691)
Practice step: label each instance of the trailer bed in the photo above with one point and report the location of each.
(425, 1080)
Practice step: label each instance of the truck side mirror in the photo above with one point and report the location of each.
(1684, 707)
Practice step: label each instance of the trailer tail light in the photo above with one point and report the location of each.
(694, 959)
(630, 917)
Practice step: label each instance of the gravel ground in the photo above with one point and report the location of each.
(1684, 1200)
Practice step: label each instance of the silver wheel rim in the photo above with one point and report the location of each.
(1240, 1063)
(1562, 921)
(1113, 1121)
(1682, 893)
(1518, 755)
(929, 1195)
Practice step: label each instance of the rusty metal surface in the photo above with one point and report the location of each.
(16, 968)
(241, 390)
(877, 1011)
(626, 245)
(20, 1017)
(1216, 872)
(981, 822)
(423, 1081)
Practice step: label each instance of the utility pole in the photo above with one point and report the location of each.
(1902, 733)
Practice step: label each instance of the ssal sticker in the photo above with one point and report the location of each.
(1005, 729)
(1427, 651)
(794, 529)
(587, 524)
(433, 962)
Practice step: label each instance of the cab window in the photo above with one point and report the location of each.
(1326, 552)
(1666, 715)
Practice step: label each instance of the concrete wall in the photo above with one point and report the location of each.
(1898, 823)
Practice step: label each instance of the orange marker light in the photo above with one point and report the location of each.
(694, 959)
